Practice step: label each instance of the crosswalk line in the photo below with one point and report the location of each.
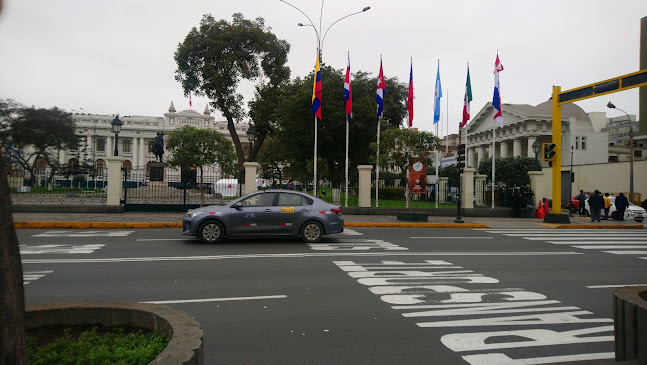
(627, 252)
(609, 247)
(29, 276)
(596, 242)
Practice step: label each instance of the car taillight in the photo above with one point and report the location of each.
(336, 211)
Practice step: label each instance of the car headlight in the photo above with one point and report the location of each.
(193, 213)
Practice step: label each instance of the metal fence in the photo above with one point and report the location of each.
(44, 189)
(176, 189)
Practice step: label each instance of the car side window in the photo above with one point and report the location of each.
(286, 199)
(259, 200)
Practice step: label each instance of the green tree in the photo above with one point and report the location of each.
(34, 133)
(190, 146)
(295, 130)
(510, 171)
(452, 172)
(398, 148)
(214, 58)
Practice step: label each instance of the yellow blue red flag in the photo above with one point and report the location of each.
(316, 91)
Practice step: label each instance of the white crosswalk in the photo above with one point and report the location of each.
(29, 276)
(617, 242)
(357, 245)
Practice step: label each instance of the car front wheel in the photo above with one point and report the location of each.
(311, 232)
(211, 232)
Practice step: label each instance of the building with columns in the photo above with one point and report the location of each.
(138, 135)
(523, 124)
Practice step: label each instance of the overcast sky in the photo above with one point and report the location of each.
(117, 56)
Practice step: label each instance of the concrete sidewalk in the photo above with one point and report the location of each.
(174, 220)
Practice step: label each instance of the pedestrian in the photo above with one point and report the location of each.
(290, 185)
(596, 203)
(517, 202)
(529, 196)
(581, 198)
(607, 206)
(274, 185)
(621, 204)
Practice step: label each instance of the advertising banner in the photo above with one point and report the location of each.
(418, 177)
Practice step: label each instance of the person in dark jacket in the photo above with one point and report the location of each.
(581, 200)
(621, 204)
(596, 203)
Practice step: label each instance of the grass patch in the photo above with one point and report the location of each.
(95, 346)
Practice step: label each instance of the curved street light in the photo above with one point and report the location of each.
(318, 31)
(631, 152)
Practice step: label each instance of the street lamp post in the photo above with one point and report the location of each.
(631, 152)
(536, 146)
(116, 128)
(251, 136)
(320, 40)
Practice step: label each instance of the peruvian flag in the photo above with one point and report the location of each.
(468, 99)
(348, 92)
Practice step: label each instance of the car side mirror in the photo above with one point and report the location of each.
(237, 205)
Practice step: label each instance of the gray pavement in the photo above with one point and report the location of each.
(350, 220)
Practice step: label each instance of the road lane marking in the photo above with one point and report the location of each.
(103, 233)
(627, 252)
(454, 238)
(609, 247)
(612, 286)
(296, 255)
(594, 243)
(58, 249)
(164, 239)
(208, 300)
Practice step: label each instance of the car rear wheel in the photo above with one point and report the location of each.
(211, 232)
(311, 232)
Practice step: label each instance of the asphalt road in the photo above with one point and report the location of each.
(370, 296)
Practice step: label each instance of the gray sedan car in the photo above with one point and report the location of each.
(266, 213)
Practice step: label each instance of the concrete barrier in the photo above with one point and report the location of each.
(185, 334)
(630, 323)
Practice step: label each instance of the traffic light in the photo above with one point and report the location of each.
(549, 151)
(460, 156)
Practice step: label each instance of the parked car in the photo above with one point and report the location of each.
(633, 212)
(264, 213)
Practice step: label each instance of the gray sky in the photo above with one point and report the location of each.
(117, 56)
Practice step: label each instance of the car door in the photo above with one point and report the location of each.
(253, 215)
(293, 209)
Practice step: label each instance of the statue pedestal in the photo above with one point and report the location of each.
(156, 171)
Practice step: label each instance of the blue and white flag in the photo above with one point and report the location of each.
(438, 94)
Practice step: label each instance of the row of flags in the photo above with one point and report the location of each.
(379, 97)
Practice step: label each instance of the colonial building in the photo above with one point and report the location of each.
(138, 134)
(583, 141)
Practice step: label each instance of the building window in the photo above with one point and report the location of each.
(577, 143)
(101, 145)
(127, 145)
(101, 164)
(583, 143)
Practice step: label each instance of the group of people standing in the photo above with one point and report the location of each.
(523, 203)
(598, 202)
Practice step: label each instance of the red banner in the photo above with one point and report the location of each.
(418, 177)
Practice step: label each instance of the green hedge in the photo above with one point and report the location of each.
(390, 193)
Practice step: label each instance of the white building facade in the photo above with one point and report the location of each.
(138, 135)
(523, 125)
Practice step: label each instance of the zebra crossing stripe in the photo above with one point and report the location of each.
(609, 247)
(29, 276)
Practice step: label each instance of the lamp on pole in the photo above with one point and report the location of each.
(251, 137)
(116, 128)
(536, 146)
(631, 152)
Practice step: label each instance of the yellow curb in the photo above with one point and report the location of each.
(416, 225)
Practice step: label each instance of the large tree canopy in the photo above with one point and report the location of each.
(296, 122)
(216, 56)
(32, 133)
(510, 171)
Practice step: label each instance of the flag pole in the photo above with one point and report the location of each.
(314, 184)
(493, 159)
(437, 162)
(346, 172)
(377, 164)
(447, 122)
